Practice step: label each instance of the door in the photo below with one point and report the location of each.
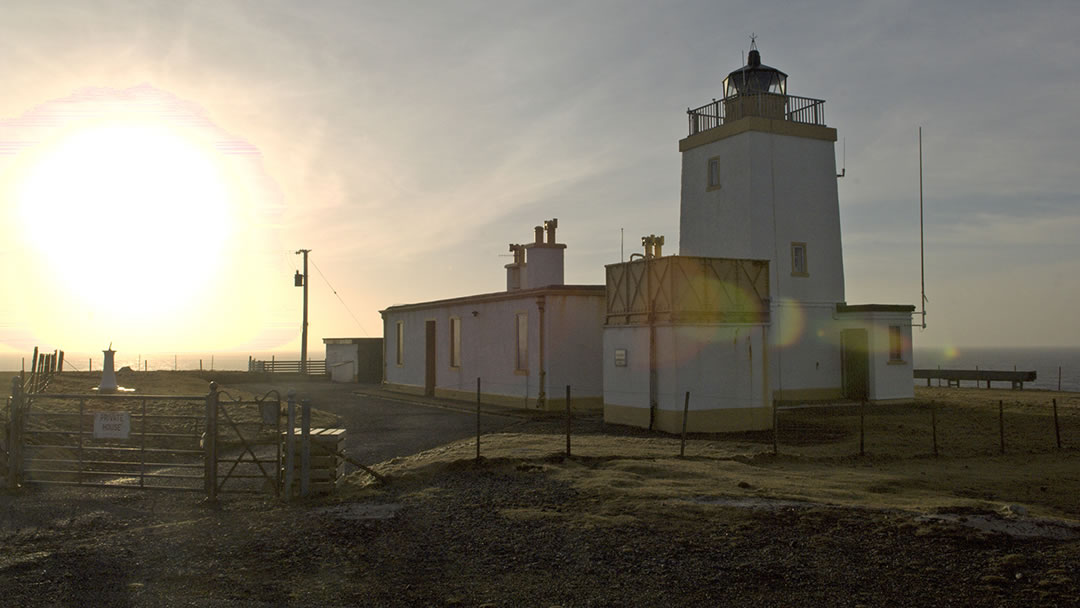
(855, 363)
(429, 359)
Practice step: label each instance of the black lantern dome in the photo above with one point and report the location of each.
(754, 77)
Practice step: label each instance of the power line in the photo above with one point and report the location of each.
(319, 270)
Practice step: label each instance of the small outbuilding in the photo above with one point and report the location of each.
(354, 359)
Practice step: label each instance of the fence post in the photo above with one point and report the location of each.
(305, 447)
(1057, 429)
(862, 428)
(210, 443)
(933, 424)
(567, 420)
(14, 437)
(1001, 423)
(775, 429)
(685, 410)
(290, 445)
(478, 418)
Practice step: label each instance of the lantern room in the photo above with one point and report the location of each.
(755, 77)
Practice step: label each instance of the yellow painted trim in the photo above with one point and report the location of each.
(809, 394)
(404, 388)
(551, 405)
(516, 402)
(757, 123)
(727, 420)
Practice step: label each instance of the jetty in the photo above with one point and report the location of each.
(954, 376)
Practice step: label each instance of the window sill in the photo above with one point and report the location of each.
(521, 372)
(897, 362)
(800, 274)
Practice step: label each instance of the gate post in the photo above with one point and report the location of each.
(305, 447)
(210, 443)
(14, 434)
(290, 446)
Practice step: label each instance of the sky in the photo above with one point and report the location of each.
(406, 144)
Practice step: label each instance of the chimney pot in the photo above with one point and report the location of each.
(539, 231)
(550, 226)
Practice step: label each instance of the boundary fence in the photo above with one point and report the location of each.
(214, 443)
(913, 429)
(315, 367)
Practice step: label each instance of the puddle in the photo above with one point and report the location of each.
(359, 511)
(1018, 527)
(750, 502)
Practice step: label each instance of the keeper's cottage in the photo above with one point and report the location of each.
(751, 313)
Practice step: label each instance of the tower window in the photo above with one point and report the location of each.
(798, 260)
(713, 181)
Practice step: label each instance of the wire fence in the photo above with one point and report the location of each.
(977, 428)
(955, 426)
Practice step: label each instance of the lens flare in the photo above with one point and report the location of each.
(789, 323)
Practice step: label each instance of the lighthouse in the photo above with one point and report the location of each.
(751, 312)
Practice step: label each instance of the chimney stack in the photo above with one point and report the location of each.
(545, 260)
(515, 271)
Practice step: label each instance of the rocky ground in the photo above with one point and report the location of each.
(624, 522)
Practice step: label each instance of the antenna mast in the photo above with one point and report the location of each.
(922, 249)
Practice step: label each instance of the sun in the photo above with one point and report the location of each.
(127, 218)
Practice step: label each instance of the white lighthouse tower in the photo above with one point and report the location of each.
(759, 182)
(751, 313)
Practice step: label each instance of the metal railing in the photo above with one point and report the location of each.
(315, 367)
(802, 110)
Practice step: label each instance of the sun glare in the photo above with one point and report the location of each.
(124, 214)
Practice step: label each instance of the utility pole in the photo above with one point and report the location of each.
(302, 281)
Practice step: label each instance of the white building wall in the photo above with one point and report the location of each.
(488, 348)
(724, 367)
(805, 357)
(341, 362)
(774, 190)
(574, 346)
(721, 366)
(626, 386)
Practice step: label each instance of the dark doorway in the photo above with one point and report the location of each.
(855, 360)
(429, 359)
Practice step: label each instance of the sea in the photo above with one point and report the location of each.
(1052, 365)
(223, 361)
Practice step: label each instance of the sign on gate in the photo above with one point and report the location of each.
(112, 425)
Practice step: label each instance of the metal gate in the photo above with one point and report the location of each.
(243, 443)
(212, 443)
(109, 440)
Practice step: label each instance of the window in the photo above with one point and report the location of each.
(896, 344)
(522, 362)
(400, 343)
(713, 181)
(799, 267)
(455, 342)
